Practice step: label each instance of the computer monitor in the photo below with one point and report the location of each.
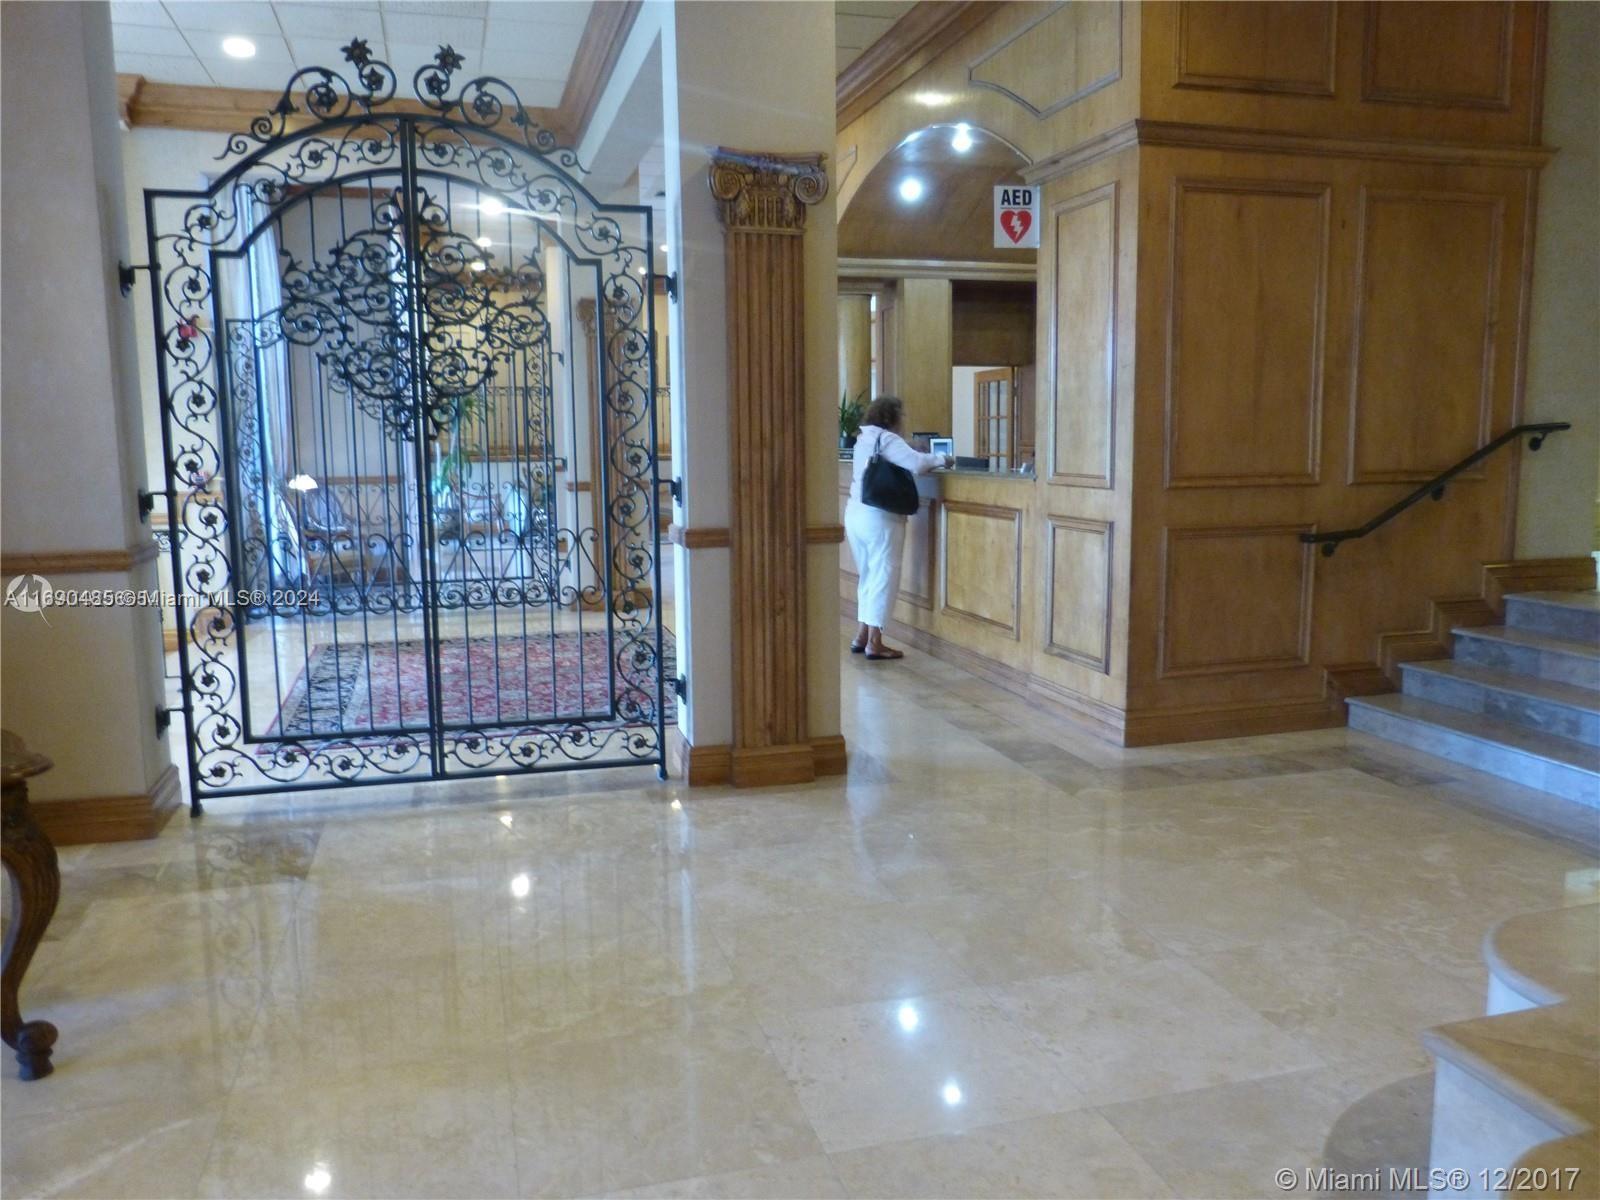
(942, 445)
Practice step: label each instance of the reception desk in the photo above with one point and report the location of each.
(969, 587)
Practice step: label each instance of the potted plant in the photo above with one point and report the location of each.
(850, 414)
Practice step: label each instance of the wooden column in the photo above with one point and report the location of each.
(762, 205)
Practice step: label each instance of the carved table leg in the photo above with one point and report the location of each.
(30, 860)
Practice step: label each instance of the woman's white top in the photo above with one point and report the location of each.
(874, 439)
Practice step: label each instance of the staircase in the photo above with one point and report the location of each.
(1519, 700)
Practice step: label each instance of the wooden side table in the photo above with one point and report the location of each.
(30, 860)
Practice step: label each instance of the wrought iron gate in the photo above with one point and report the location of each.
(406, 380)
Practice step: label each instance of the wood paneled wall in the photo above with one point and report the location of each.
(1284, 275)
(922, 359)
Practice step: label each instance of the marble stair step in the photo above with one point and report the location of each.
(1559, 709)
(1563, 768)
(1560, 660)
(1571, 615)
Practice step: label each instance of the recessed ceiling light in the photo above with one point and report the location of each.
(644, 270)
(911, 189)
(961, 142)
(238, 47)
(932, 99)
(478, 264)
(485, 241)
(492, 206)
(663, 247)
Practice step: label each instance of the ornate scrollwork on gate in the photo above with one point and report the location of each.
(412, 324)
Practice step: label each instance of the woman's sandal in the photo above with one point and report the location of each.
(884, 656)
(855, 649)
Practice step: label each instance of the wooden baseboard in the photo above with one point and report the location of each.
(110, 818)
(702, 766)
(830, 755)
(1536, 575)
(771, 766)
(1161, 727)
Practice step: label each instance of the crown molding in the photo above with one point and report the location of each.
(911, 43)
(934, 268)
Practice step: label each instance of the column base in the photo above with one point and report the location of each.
(763, 766)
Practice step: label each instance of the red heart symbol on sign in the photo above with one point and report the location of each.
(1016, 222)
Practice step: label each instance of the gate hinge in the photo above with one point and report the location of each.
(670, 283)
(125, 274)
(675, 486)
(147, 504)
(680, 687)
(163, 720)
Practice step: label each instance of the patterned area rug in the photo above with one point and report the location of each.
(355, 688)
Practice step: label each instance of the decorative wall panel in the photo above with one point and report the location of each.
(1250, 46)
(1077, 574)
(1083, 339)
(981, 563)
(1422, 386)
(1067, 52)
(919, 559)
(1235, 599)
(1466, 64)
(1249, 263)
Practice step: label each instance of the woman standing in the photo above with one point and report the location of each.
(876, 536)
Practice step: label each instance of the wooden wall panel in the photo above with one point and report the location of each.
(1067, 52)
(981, 563)
(1212, 621)
(1083, 349)
(919, 559)
(1257, 46)
(1442, 77)
(1245, 332)
(1077, 581)
(1428, 273)
(1460, 58)
(922, 364)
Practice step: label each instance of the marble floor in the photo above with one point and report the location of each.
(999, 958)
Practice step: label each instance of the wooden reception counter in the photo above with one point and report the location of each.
(972, 591)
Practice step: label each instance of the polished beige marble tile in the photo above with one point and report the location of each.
(1231, 1140)
(942, 1063)
(811, 1178)
(878, 952)
(1148, 1029)
(603, 1115)
(128, 945)
(1348, 997)
(1074, 1154)
(180, 1041)
(132, 1148)
(1032, 925)
(439, 1129)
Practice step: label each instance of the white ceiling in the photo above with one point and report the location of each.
(529, 43)
(859, 23)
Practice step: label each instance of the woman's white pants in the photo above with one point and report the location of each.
(876, 538)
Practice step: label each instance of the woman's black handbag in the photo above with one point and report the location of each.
(891, 488)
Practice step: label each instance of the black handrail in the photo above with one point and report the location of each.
(1536, 433)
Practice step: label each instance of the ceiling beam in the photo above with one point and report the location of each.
(230, 110)
(610, 22)
(911, 43)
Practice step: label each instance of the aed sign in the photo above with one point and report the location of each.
(1016, 217)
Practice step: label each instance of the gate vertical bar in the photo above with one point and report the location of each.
(411, 250)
